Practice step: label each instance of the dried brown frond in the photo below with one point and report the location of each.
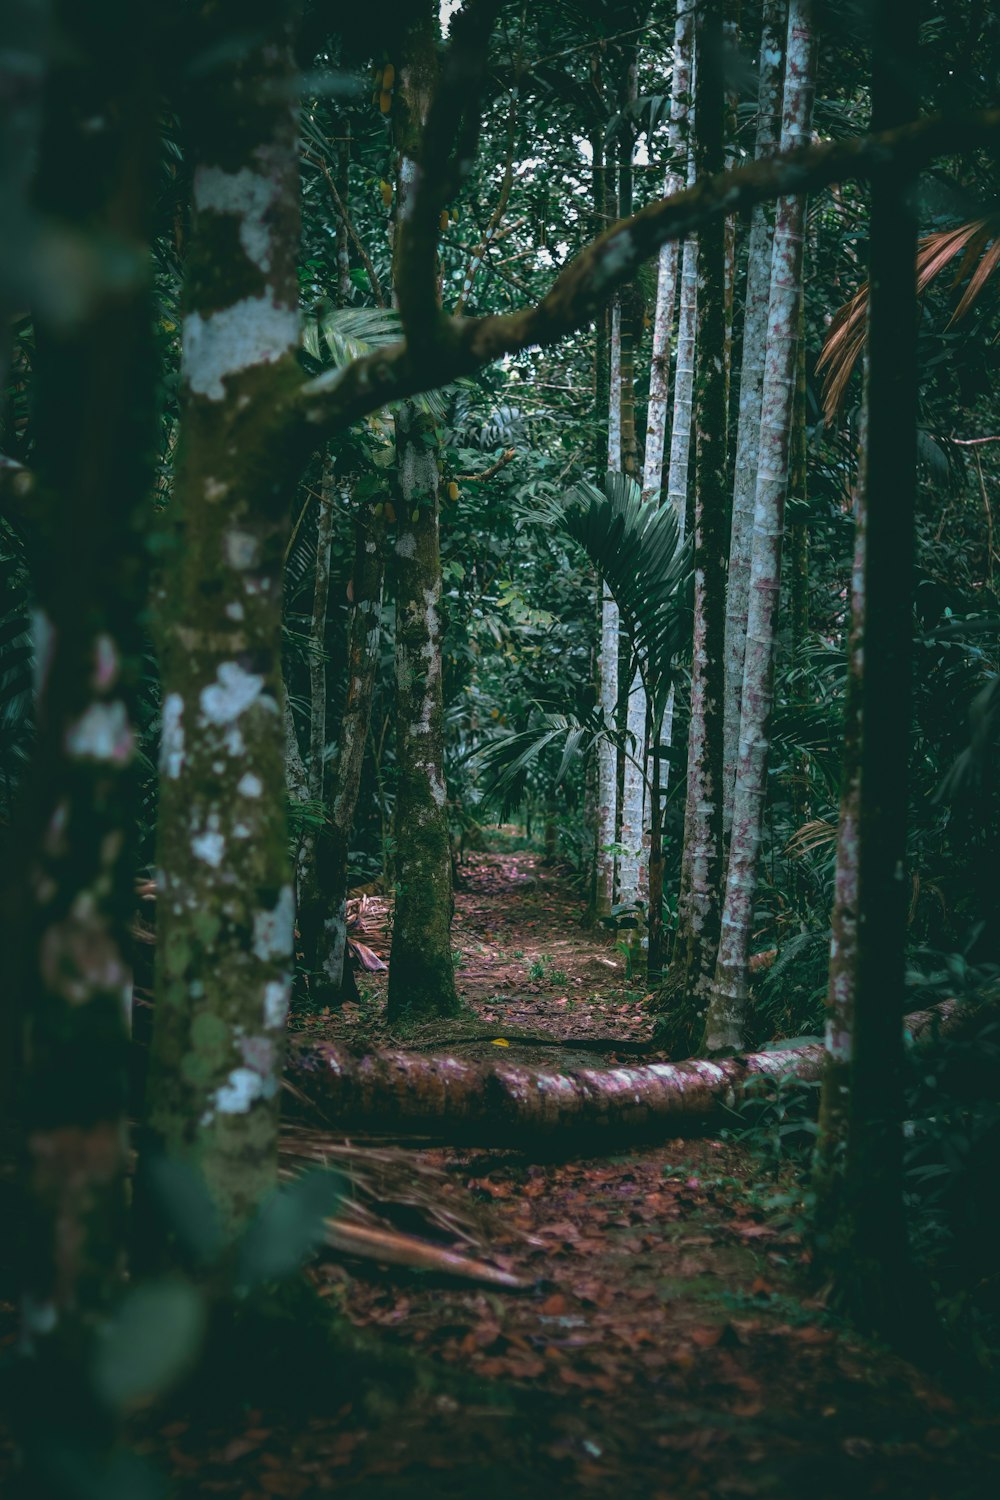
(810, 836)
(978, 244)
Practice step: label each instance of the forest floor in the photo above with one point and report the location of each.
(667, 1342)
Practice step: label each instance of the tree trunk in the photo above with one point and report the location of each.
(310, 782)
(656, 419)
(607, 768)
(692, 967)
(755, 317)
(323, 920)
(632, 779)
(727, 1012)
(225, 914)
(680, 434)
(862, 1244)
(68, 898)
(496, 1103)
(421, 973)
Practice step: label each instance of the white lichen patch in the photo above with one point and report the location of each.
(273, 930)
(277, 995)
(172, 736)
(249, 785)
(406, 545)
(231, 694)
(253, 331)
(239, 1091)
(102, 733)
(246, 195)
(240, 548)
(235, 610)
(209, 847)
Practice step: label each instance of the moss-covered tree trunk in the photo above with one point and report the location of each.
(421, 973)
(68, 897)
(323, 919)
(687, 987)
(226, 904)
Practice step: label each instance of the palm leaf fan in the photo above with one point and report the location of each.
(636, 548)
(978, 244)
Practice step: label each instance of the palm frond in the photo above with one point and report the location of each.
(506, 762)
(978, 243)
(636, 548)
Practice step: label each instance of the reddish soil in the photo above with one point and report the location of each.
(668, 1343)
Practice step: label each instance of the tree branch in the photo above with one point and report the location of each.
(446, 152)
(460, 346)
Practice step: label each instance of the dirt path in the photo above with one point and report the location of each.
(668, 1345)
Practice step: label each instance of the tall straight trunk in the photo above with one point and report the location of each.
(632, 778)
(758, 291)
(656, 427)
(701, 860)
(68, 896)
(607, 766)
(727, 1012)
(225, 915)
(323, 921)
(307, 777)
(862, 1246)
(421, 973)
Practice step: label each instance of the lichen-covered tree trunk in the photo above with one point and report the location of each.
(680, 432)
(68, 896)
(656, 415)
(307, 779)
(323, 920)
(687, 987)
(607, 765)
(727, 1012)
(226, 904)
(861, 1243)
(758, 291)
(421, 973)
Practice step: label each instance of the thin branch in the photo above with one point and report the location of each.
(507, 181)
(348, 223)
(461, 346)
(501, 463)
(447, 148)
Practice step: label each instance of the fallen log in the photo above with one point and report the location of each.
(491, 1102)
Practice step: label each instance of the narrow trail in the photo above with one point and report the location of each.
(669, 1345)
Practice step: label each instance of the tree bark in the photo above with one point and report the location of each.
(727, 1012)
(687, 988)
(497, 1103)
(323, 920)
(68, 898)
(226, 907)
(862, 1241)
(758, 291)
(656, 426)
(607, 765)
(421, 973)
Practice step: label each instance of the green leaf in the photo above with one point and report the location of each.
(154, 1339)
(288, 1228)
